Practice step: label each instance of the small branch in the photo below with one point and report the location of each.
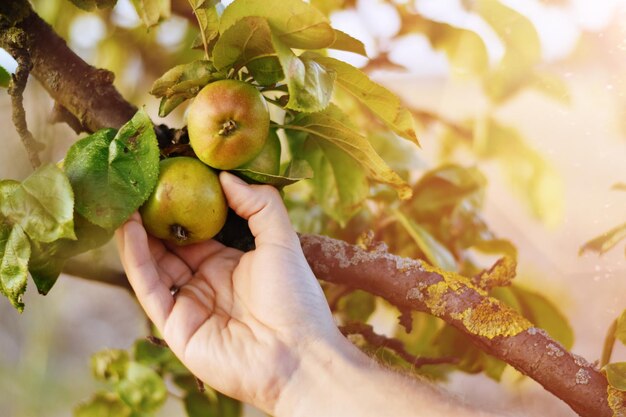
(156, 341)
(60, 114)
(395, 345)
(18, 48)
(200, 384)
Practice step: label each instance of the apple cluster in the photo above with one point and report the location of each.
(228, 124)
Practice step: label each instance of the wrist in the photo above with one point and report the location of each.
(322, 379)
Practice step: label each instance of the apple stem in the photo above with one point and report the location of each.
(228, 127)
(180, 233)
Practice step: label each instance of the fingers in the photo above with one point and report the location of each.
(152, 293)
(262, 206)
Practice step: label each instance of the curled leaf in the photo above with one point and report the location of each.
(14, 256)
(42, 204)
(605, 241)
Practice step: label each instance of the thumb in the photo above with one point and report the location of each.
(263, 207)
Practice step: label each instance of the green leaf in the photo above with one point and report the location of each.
(103, 404)
(209, 21)
(496, 246)
(328, 6)
(142, 388)
(400, 154)
(229, 407)
(5, 78)
(620, 329)
(149, 354)
(297, 170)
(91, 5)
(522, 49)
(339, 182)
(113, 174)
(616, 375)
(536, 181)
(310, 84)
(14, 256)
(445, 187)
(248, 38)
(606, 241)
(513, 28)
(168, 105)
(436, 253)
(183, 82)
(199, 405)
(110, 365)
(266, 70)
(358, 305)
(472, 360)
(551, 85)
(382, 102)
(465, 49)
(152, 12)
(47, 259)
(43, 204)
(295, 23)
(345, 42)
(332, 126)
(544, 314)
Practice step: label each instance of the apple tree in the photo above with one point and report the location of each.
(380, 227)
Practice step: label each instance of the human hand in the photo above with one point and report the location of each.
(241, 322)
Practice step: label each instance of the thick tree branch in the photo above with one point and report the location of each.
(86, 92)
(89, 95)
(491, 325)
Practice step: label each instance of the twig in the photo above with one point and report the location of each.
(395, 345)
(18, 48)
(157, 341)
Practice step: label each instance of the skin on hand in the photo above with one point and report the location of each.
(241, 322)
(257, 327)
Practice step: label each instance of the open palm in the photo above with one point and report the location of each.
(237, 320)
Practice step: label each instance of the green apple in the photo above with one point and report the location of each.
(268, 161)
(187, 205)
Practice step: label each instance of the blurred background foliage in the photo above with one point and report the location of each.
(471, 72)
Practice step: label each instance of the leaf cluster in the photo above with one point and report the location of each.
(62, 210)
(279, 46)
(139, 382)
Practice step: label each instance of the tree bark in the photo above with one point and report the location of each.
(85, 91)
(412, 284)
(88, 94)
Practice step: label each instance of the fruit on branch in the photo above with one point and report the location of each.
(228, 123)
(268, 161)
(187, 205)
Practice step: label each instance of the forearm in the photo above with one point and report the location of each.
(338, 380)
